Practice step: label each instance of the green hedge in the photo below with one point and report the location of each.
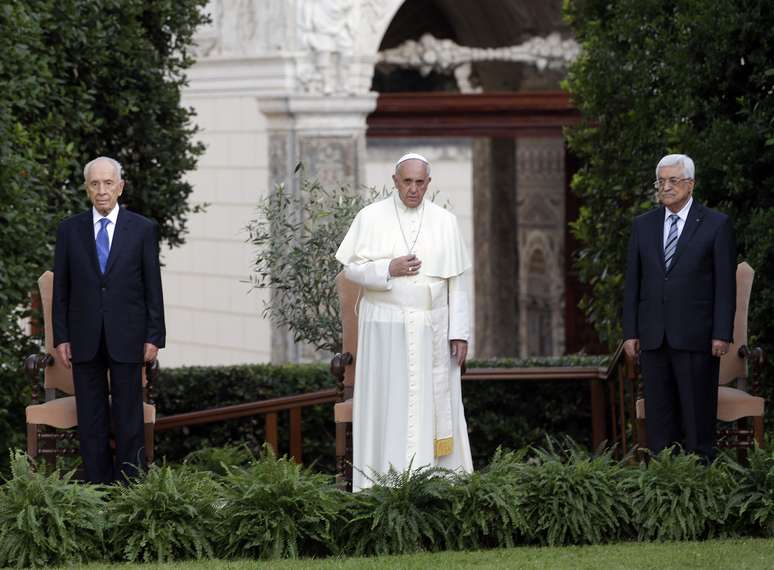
(190, 389)
(273, 508)
(512, 414)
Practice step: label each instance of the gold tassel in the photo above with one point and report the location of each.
(444, 446)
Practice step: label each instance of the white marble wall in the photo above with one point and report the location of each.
(212, 316)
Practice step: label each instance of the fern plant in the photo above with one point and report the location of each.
(752, 500)
(571, 496)
(170, 514)
(487, 505)
(218, 459)
(276, 508)
(405, 511)
(48, 520)
(676, 497)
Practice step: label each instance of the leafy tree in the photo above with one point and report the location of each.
(656, 77)
(81, 78)
(296, 236)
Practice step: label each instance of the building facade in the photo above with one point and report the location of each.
(282, 81)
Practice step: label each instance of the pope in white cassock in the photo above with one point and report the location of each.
(413, 328)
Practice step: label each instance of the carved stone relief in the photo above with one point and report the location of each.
(373, 13)
(279, 157)
(328, 25)
(332, 160)
(445, 56)
(320, 42)
(243, 27)
(540, 207)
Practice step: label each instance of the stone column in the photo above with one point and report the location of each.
(275, 82)
(541, 235)
(327, 135)
(496, 243)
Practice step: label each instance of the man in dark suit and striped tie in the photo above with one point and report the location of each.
(108, 315)
(679, 305)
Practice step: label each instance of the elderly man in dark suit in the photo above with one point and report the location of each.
(108, 315)
(679, 304)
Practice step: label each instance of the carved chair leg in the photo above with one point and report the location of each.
(642, 439)
(32, 440)
(149, 443)
(341, 447)
(739, 441)
(758, 430)
(348, 456)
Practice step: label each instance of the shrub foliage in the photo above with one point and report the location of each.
(753, 499)
(276, 508)
(656, 77)
(572, 497)
(81, 78)
(404, 512)
(219, 460)
(48, 520)
(677, 498)
(169, 514)
(487, 505)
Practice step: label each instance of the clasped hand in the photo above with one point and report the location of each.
(406, 265)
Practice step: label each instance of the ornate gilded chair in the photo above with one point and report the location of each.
(343, 369)
(50, 424)
(737, 395)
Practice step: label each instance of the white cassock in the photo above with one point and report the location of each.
(407, 404)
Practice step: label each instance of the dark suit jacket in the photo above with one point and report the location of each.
(692, 303)
(127, 300)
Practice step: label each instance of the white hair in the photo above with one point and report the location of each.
(678, 159)
(413, 156)
(116, 165)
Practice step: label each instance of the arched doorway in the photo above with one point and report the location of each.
(498, 124)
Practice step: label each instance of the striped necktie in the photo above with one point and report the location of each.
(671, 242)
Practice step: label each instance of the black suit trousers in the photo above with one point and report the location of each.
(681, 399)
(98, 416)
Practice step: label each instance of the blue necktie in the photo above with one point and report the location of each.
(103, 244)
(671, 242)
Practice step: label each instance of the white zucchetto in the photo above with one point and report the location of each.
(411, 156)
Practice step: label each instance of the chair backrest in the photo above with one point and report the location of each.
(57, 376)
(731, 365)
(349, 295)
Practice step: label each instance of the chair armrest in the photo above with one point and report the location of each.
(34, 364)
(339, 364)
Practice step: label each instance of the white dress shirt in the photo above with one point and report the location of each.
(682, 217)
(111, 227)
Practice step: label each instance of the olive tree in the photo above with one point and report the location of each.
(296, 235)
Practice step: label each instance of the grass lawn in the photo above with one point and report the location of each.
(737, 554)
